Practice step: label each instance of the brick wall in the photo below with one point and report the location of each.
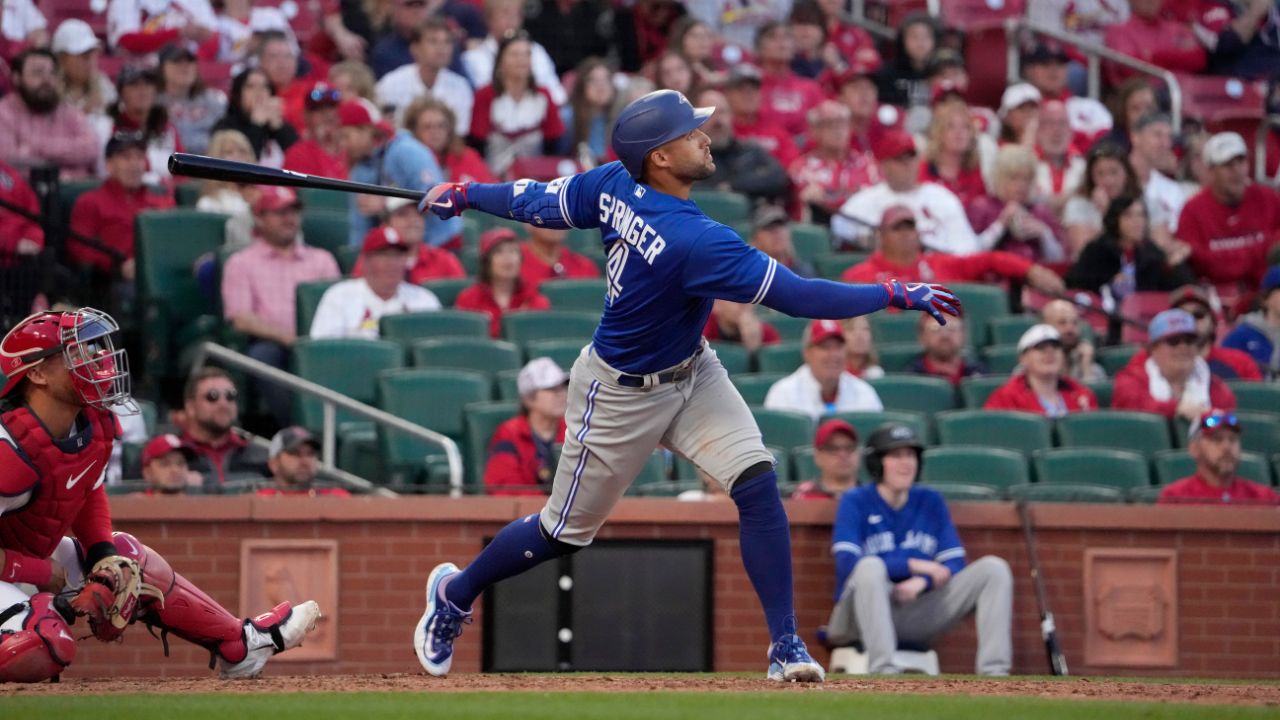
(1229, 584)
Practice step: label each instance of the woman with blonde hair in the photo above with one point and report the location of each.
(952, 157)
(230, 199)
(861, 357)
(1018, 222)
(353, 79)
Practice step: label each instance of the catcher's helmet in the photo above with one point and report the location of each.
(885, 439)
(99, 371)
(651, 121)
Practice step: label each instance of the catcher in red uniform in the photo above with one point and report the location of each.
(63, 374)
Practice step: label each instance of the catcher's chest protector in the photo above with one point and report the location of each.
(68, 471)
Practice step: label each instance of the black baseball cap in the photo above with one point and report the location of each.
(174, 52)
(125, 140)
(1044, 52)
(290, 439)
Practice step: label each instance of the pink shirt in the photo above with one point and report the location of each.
(63, 138)
(263, 280)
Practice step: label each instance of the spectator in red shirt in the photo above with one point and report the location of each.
(749, 123)
(856, 89)
(522, 450)
(951, 157)
(771, 235)
(1214, 443)
(18, 235)
(831, 171)
(499, 289)
(852, 43)
(836, 453)
(1148, 36)
(106, 213)
(320, 151)
(432, 123)
(210, 408)
(786, 96)
(698, 45)
(425, 262)
(513, 116)
(166, 466)
(1233, 221)
(279, 59)
(1174, 381)
(293, 460)
(544, 257)
(944, 353)
(1224, 362)
(1041, 384)
(898, 255)
(737, 323)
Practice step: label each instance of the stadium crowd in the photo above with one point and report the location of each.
(1115, 263)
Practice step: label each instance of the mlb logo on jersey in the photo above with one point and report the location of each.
(639, 191)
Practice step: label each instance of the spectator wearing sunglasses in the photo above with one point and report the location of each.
(319, 152)
(1214, 443)
(1174, 380)
(1041, 384)
(210, 408)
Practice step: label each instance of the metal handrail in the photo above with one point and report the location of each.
(1096, 54)
(334, 473)
(331, 401)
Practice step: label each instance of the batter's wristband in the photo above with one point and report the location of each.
(17, 568)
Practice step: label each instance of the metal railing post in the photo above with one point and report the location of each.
(330, 434)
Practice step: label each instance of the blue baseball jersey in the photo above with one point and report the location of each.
(866, 525)
(667, 262)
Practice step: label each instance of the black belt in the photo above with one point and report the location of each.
(677, 374)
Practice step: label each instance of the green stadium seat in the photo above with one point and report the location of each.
(187, 194)
(683, 470)
(1256, 396)
(583, 295)
(150, 415)
(803, 467)
(1261, 432)
(526, 326)
(832, 265)
(326, 229)
(307, 297)
(347, 365)
(347, 258)
(1001, 359)
(69, 192)
(895, 328)
(966, 492)
(1172, 465)
(809, 240)
(783, 357)
(315, 199)
(1120, 469)
(1023, 432)
(995, 468)
(653, 481)
(790, 329)
(754, 386)
(1071, 493)
(462, 353)
(1114, 358)
(918, 393)
(585, 241)
(733, 357)
(974, 391)
(469, 256)
(564, 352)
(723, 206)
(508, 390)
(484, 222)
(1008, 330)
(783, 428)
(895, 357)
(1102, 390)
(408, 327)
(1144, 433)
(866, 422)
(172, 309)
(482, 419)
(982, 304)
(447, 290)
(1145, 495)
(432, 398)
(358, 451)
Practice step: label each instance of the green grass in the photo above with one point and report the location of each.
(798, 705)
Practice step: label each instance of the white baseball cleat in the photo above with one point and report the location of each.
(441, 623)
(283, 628)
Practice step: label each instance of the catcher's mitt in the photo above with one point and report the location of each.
(109, 598)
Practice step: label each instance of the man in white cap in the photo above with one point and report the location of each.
(822, 385)
(522, 457)
(1041, 384)
(352, 308)
(1232, 222)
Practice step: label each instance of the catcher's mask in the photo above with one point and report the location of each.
(99, 371)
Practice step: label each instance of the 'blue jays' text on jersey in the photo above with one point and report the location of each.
(866, 525)
(667, 262)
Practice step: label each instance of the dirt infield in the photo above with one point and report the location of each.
(1073, 688)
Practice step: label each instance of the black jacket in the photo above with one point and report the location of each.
(748, 169)
(1101, 259)
(258, 135)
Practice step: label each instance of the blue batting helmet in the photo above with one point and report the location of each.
(652, 121)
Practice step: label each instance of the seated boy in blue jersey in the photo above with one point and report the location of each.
(900, 567)
(648, 377)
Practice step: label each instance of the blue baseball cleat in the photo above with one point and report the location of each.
(789, 661)
(440, 625)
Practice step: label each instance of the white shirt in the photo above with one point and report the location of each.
(1164, 198)
(21, 18)
(1071, 177)
(800, 392)
(350, 309)
(400, 87)
(479, 60)
(1086, 115)
(940, 217)
(126, 16)
(234, 36)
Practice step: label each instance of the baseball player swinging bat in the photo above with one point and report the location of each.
(1057, 661)
(207, 168)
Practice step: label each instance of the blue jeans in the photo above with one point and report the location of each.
(279, 400)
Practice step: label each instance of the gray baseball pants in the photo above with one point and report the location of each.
(611, 430)
(866, 612)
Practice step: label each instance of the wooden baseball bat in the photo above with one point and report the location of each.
(1048, 631)
(207, 168)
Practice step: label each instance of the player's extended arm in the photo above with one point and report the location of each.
(824, 299)
(527, 201)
